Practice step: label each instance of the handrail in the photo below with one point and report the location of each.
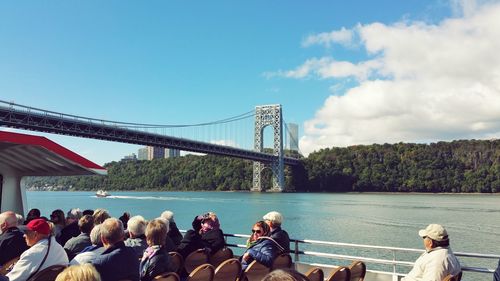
(394, 262)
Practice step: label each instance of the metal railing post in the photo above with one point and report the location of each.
(296, 251)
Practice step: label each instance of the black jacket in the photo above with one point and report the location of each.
(154, 266)
(12, 244)
(68, 232)
(213, 240)
(174, 233)
(281, 236)
(118, 262)
(190, 242)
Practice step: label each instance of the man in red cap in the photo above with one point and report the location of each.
(44, 252)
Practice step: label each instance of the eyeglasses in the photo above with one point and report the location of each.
(258, 231)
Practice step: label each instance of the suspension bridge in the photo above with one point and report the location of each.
(200, 138)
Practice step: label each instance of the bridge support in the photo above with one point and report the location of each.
(269, 115)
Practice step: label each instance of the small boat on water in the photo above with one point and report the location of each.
(102, 193)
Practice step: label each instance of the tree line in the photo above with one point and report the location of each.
(458, 166)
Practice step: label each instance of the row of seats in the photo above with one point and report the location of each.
(354, 272)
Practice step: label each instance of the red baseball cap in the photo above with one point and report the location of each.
(39, 225)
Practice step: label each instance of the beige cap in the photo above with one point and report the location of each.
(274, 217)
(435, 232)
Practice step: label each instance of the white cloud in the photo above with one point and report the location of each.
(420, 83)
(343, 36)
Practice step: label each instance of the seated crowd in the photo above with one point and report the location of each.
(139, 251)
(98, 246)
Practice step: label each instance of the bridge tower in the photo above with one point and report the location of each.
(269, 115)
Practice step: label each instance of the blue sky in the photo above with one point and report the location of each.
(339, 68)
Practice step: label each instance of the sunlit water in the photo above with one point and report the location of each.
(473, 221)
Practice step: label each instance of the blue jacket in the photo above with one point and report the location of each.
(264, 251)
(118, 262)
(496, 275)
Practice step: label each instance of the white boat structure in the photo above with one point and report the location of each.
(382, 263)
(102, 193)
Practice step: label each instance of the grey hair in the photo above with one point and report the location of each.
(95, 235)
(74, 214)
(168, 215)
(20, 219)
(9, 218)
(137, 225)
(166, 223)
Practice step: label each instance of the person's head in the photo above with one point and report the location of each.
(111, 232)
(35, 231)
(86, 223)
(95, 235)
(259, 229)
(20, 219)
(81, 272)
(136, 226)
(57, 217)
(434, 235)
(168, 215)
(73, 215)
(7, 220)
(285, 275)
(273, 219)
(100, 215)
(156, 232)
(88, 212)
(209, 222)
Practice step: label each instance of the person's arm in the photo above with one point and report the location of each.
(265, 255)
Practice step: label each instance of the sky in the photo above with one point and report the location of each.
(347, 72)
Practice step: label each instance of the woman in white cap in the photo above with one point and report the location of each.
(438, 260)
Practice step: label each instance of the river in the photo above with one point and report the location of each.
(472, 220)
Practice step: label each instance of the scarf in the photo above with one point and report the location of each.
(150, 252)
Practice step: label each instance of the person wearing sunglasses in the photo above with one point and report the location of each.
(261, 247)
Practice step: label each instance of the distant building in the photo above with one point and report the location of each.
(130, 157)
(172, 153)
(293, 136)
(155, 152)
(142, 153)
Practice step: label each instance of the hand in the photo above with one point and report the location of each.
(246, 256)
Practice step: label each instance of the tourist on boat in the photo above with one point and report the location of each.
(117, 262)
(124, 218)
(173, 231)
(192, 239)
(84, 272)
(496, 275)
(12, 243)
(32, 214)
(438, 260)
(88, 212)
(284, 274)
(71, 229)
(156, 259)
(211, 234)
(89, 254)
(137, 239)
(100, 215)
(59, 221)
(76, 244)
(43, 247)
(274, 220)
(20, 219)
(261, 247)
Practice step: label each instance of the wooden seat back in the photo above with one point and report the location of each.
(315, 274)
(177, 260)
(221, 255)
(450, 277)
(228, 270)
(358, 270)
(255, 271)
(169, 276)
(342, 273)
(204, 272)
(282, 261)
(195, 259)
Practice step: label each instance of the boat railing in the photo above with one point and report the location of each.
(395, 262)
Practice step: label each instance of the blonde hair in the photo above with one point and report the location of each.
(100, 215)
(81, 272)
(156, 232)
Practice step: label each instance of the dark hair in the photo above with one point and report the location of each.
(86, 223)
(88, 212)
(197, 223)
(444, 243)
(265, 227)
